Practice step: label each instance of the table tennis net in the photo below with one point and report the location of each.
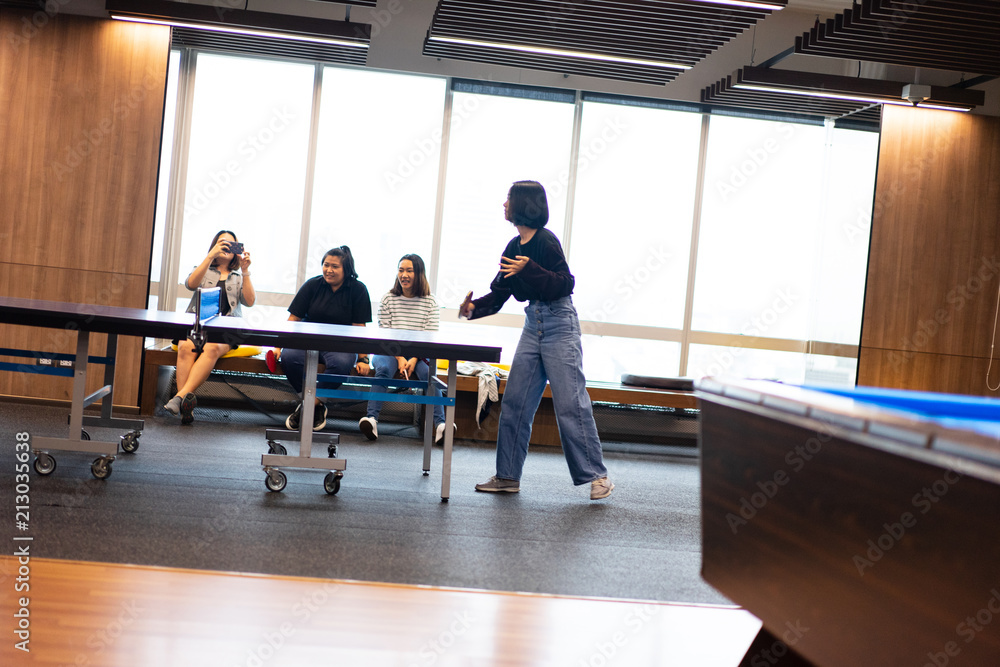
(207, 304)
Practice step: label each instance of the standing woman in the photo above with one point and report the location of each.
(534, 269)
(408, 305)
(334, 297)
(223, 268)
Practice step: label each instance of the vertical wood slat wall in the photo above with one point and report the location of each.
(934, 259)
(82, 110)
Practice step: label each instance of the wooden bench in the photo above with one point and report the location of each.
(544, 430)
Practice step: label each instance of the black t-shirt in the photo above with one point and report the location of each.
(545, 277)
(316, 302)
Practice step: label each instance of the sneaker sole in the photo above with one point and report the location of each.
(605, 495)
(368, 430)
(187, 411)
(493, 490)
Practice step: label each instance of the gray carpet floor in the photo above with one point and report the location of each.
(194, 497)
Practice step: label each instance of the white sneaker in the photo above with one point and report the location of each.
(369, 427)
(439, 432)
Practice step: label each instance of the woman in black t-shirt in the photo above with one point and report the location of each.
(334, 297)
(533, 268)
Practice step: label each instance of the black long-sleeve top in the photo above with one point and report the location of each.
(545, 277)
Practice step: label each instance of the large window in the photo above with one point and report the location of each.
(300, 157)
(245, 168)
(377, 163)
(495, 141)
(632, 215)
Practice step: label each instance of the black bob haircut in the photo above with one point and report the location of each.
(346, 261)
(528, 205)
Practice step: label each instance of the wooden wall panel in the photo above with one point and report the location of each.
(934, 262)
(922, 371)
(82, 102)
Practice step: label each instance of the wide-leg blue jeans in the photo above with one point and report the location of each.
(550, 349)
(386, 367)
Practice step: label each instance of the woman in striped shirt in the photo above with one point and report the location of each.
(408, 305)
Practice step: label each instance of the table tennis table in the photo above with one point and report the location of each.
(312, 337)
(86, 319)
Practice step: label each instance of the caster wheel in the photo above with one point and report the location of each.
(331, 483)
(276, 448)
(84, 435)
(101, 468)
(45, 464)
(331, 451)
(130, 442)
(275, 480)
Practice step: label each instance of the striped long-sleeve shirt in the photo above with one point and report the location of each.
(416, 313)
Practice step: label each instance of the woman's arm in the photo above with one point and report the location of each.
(248, 294)
(548, 276)
(433, 321)
(364, 362)
(194, 279)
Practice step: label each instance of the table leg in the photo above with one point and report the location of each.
(79, 385)
(449, 419)
(308, 403)
(429, 416)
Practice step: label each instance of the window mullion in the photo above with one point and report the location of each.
(699, 193)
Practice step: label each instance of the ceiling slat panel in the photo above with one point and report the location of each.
(679, 32)
(954, 35)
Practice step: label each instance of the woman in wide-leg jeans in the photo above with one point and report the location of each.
(549, 349)
(533, 268)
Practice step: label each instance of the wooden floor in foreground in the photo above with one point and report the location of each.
(86, 614)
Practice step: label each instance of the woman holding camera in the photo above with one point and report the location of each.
(227, 266)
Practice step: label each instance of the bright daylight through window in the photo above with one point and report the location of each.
(752, 265)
